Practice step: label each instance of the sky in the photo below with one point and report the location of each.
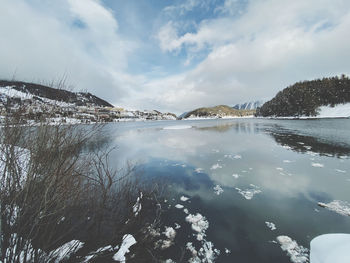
(174, 55)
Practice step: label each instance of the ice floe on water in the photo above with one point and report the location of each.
(198, 170)
(215, 166)
(340, 171)
(271, 225)
(237, 156)
(338, 206)
(206, 254)
(236, 176)
(218, 190)
(177, 226)
(179, 206)
(177, 127)
(249, 192)
(199, 224)
(128, 241)
(287, 161)
(319, 165)
(184, 198)
(227, 251)
(297, 253)
(279, 168)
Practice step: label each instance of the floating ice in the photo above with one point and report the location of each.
(185, 210)
(287, 161)
(319, 165)
(236, 176)
(279, 168)
(215, 166)
(198, 170)
(250, 192)
(179, 206)
(169, 232)
(128, 241)
(330, 248)
(270, 225)
(340, 171)
(177, 226)
(177, 127)
(227, 251)
(184, 198)
(218, 190)
(297, 253)
(237, 156)
(199, 224)
(340, 207)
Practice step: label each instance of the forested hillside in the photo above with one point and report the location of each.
(304, 98)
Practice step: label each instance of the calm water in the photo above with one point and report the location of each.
(291, 165)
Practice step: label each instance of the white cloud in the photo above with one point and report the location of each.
(41, 43)
(272, 45)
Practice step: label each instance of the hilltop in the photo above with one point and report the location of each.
(220, 111)
(307, 98)
(35, 102)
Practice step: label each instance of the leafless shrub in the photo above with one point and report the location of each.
(53, 190)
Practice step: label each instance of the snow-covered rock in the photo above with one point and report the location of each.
(330, 248)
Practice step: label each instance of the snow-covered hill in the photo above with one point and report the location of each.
(251, 105)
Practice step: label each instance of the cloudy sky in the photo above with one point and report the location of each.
(174, 55)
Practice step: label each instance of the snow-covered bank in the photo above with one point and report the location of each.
(324, 112)
(330, 248)
(338, 111)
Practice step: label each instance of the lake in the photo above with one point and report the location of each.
(238, 176)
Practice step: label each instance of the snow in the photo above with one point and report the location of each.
(330, 248)
(340, 207)
(169, 232)
(250, 192)
(218, 190)
(271, 225)
(128, 241)
(184, 198)
(137, 206)
(318, 165)
(177, 127)
(297, 253)
(199, 224)
(66, 250)
(215, 166)
(338, 111)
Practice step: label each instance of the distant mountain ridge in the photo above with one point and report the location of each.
(305, 98)
(61, 95)
(251, 105)
(219, 111)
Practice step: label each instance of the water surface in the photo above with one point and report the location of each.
(291, 165)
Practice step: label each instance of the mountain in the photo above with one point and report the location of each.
(251, 105)
(220, 111)
(308, 98)
(38, 103)
(38, 92)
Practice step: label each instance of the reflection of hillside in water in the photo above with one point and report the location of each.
(304, 144)
(238, 127)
